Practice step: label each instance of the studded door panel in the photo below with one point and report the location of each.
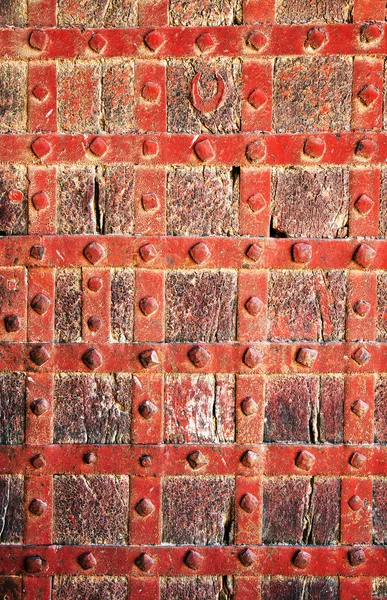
(193, 380)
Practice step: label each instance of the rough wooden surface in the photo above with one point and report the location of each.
(104, 13)
(198, 510)
(11, 509)
(200, 305)
(301, 510)
(13, 215)
(90, 588)
(297, 588)
(76, 211)
(310, 202)
(307, 306)
(93, 409)
(122, 296)
(12, 407)
(199, 409)
(183, 116)
(91, 509)
(330, 11)
(68, 305)
(312, 94)
(196, 588)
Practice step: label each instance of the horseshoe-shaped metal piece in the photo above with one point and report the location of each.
(206, 105)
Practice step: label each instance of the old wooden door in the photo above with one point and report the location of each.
(193, 386)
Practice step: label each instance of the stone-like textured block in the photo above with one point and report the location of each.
(196, 588)
(13, 98)
(299, 510)
(90, 588)
(202, 201)
(198, 510)
(380, 416)
(118, 96)
(310, 202)
(182, 114)
(104, 13)
(91, 509)
(76, 200)
(379, 588)
(202, 13)
(329, 11)
(11, 509)
(68, 305)
(199, 408)
(295, 588)
(200, 306)
(307, 305)
(79, 91)
(379, 497)
(13, 215)
(304, 409)
(11, 588)
(13, 12)
(12, 408)
(312, 94)
(114, 191)
(93, 409)
(122, 298)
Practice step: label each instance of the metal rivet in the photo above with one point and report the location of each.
(37, 252)
(144, 507)
(254, 252)
(204, 150)
(249, 459)
(40, 201)
(364, 204)
(307, 357)
(252, 357)
(357, 460)
(40, 304)
(368, 94)
(205, 42)
(200, 253)
(41, 147)
(197, 460)
(254, 306)
(34, 564)
(149, 359)
(249, 406)
(39, 406)
(256, 151)
(89, 458)
(248, 503)
(151, 91)
(302, 559)
(98, 147)
(145, 460)
(314, 147)
(37, 507)
(94, 284)
(150, 201)
(148, 305)
(94, 252)
(40, 92)
(39, 355)
(356, 557)
(361, 356)
(15, 196)
(94, 323)
(316, 38)
(257, 40)
(302, 253)
(305, 460)
(256, 202)
(144, 562)
(154, 40)
(360, 408)
(193, 560)
(147, 409)
(38, 39)
(97, 43)
(92, 359)
(199, 356)
(362, 308)
(247, 557)
(38, 461)
(365, 148)
(355, 503)
(148, 252)
(87, 561)
(364, 255)
(12, 323)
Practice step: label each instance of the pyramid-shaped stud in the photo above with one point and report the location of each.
(38, 39)
(39, 355)
(197, 460)
(252, 357)
(316, 38)
(144, 562)
(40, 92)
(92, 359)
(356, 557)
(364, 255)
(12, 323)
(357, 460)
(360, 408)
(368, 94)
(361, 356)
(355, 503)
(150, 201)
(144, 507)
(87, 561)
(302, 559)
(247, 557)
(147, 409)
(371, 33)
(307, 357)
(37, 252)
(248, 503)
(94, 252)
(41, 147)
(34, 564)
(249, 459)
(257, 98)
(305, 460)
(205, 42)
(193, 560)
(148, 305)
(257, 40)
(151, 91)
(362, 308)
(97, 43)
(254, 252)
(249, 406)
(254, 306)
(364, 204)
(150, 148)
(256, 203)
(200, 253)
(40, 304)
(149, 359)
(365, 149)
(314, 147)
(154, 40)
(204, 150)
(98, 147)
(256, 151)
(302, 253)
(199, 356)
(40, 201)
(148, 252)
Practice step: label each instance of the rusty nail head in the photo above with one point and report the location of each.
(254, 252)
(302, 253)
(355, 503)
(94, 252)
(150, 201)
(247, 557)
(360, 408)
(92, 359)
(37, 507)
(356, 557)
(12, 323)
(144, 507)
(362, 308)
(87, 561)
(37, 252)
(145, 460)
(302, 559)
(252, 357)
(193, 560)
(39, 355)
(148, 252)
(94, 323)
(149, 359)
(305, 460)
(39, 406)
(199, 356)
(89, 458)
(38, 461)
(249, 459)
(147, 409)
(364, 204)
(249, 406)
(357, 460)
(40, 304)
(254, 306)
(144, 562)
(197, 460)
(200, 253)
(361, 356)
(94, 284)
(34, 564)
(248, 503)
(306, 357)
(148, 305)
